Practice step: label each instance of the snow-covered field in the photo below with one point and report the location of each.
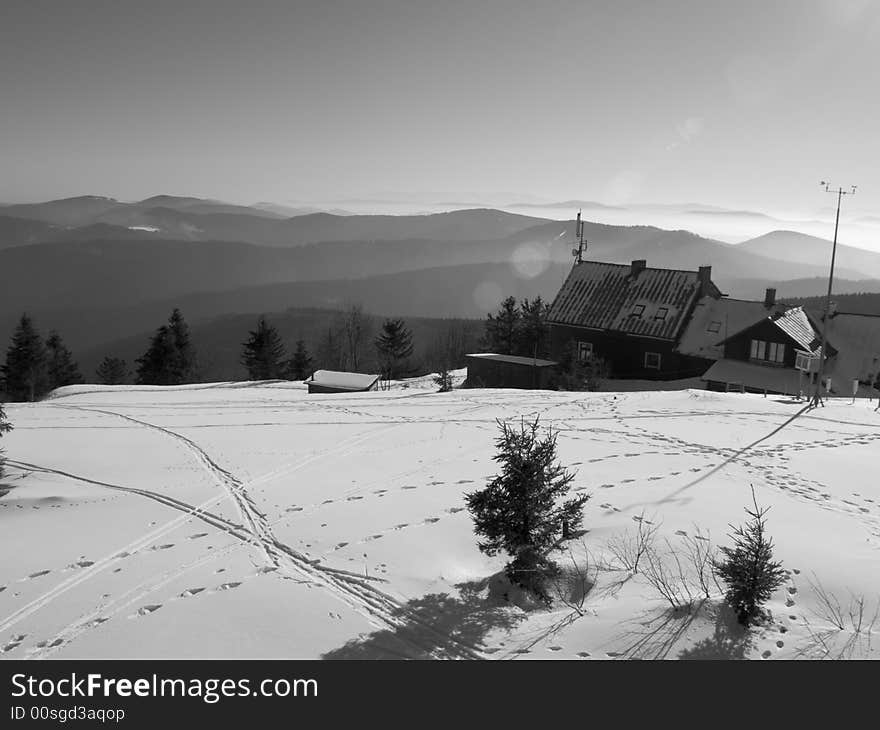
(254, 520)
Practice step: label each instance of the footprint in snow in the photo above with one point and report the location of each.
(555, 648)
(583, 654)
(190, 592)
(408, 486)
(198, 535)
(353, 499)
(163, 547)
(682, 533)
(432, 520)
(38, 574)
(455, 510)
(147, 610)
(229, 586)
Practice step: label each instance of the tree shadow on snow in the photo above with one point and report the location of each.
(729, 641)
(438, 626)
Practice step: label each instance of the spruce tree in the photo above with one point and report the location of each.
(300, 365)
(533, 335)
(61, 368)
(170, 358)
(502, 328)
(263, 354)
(24, 374)
(523, 511)
(112, 371)
(183, 363)
(748, 569)
(394, 345)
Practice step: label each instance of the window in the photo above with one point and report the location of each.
(652, 360)
(637, 310)
(714, 327)
(585, 351)
(769, 351)
(661, 313)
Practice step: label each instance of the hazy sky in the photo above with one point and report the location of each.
(742, 104)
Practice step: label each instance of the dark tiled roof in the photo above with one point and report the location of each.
(608, 297)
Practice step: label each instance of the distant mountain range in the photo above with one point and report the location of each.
(100, 270)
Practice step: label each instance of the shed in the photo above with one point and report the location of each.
(331, 381)
(489, 370)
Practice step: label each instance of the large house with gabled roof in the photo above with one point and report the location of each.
(631, 316)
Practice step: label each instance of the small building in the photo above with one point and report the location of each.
(331, 381)
(489, 370)
(762, 357)
(631, 316)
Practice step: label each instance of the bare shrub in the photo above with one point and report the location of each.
(852, 624)
(575, 579)
(683, 576)
(629, 548)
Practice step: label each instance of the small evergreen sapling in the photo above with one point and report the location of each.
(523, 511)
(748, 569)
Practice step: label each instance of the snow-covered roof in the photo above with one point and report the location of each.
(514, 359)
(714, 320)
(346, 381)
(759, 377)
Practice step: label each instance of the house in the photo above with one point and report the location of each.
(763, 356)
(488, 370)
(631, 316)
(714, 320)
(330, 381)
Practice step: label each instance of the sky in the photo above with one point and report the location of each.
(746, 105)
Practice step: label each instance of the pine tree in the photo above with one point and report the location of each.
(394, 345)
(112, 371)
(169, 359)
(748, 569)
(61, 368)
(521, 511)
(263, 353)
(153, 367)
(24, 374)
(183, 363)
(576, 374)
(502, 328)
(300, 365)
(534, 331)
(5, 427)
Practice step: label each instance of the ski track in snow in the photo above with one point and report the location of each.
(355, 590)
(767, 462)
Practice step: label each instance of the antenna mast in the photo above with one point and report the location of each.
(578, 252)
(817, 393)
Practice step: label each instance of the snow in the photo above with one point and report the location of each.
(255, 520)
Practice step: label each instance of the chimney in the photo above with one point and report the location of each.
(704, 276)
(770, 298)
(637, 266)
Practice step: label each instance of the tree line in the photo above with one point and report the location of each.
(354, 341)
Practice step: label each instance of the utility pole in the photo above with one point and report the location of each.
(578, 252)
(817, 393)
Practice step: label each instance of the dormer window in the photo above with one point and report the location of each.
(638, 310)
(661, 313)
(714, 327)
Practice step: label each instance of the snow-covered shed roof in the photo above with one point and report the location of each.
(513, 359)
(343, 381)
